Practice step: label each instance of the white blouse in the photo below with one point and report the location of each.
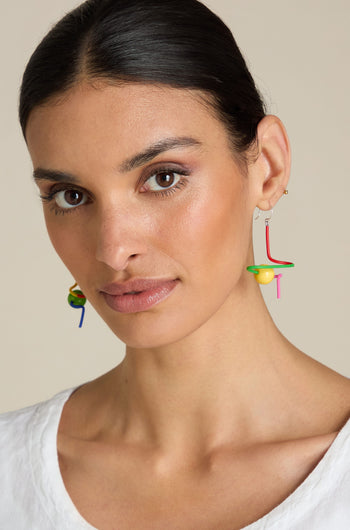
(33, 495)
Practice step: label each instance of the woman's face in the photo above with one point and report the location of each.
(139, 183)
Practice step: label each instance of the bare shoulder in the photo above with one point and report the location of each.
(336, 390)
(330, 399)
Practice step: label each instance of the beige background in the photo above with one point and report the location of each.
(299, 54)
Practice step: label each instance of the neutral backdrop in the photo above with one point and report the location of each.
(299, 54)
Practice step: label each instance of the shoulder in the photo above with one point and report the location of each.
(324, 498)
(15, 442)
(339, 456)
(331, 478)
(27, 448)
(16, 427)
(21, 430)
(15, 423)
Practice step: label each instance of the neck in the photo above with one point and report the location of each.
(207, 387)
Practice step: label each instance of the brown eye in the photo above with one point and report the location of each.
(73, 197)
(66, 199)
(165, 179)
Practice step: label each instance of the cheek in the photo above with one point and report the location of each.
(210, 232)
(67, 243)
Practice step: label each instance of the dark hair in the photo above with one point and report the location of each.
(180, 43)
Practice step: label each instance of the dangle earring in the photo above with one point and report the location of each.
(264, 274)
(77, 300)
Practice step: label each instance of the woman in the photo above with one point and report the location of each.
(151, 150)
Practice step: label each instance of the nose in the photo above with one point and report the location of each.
(120, 239)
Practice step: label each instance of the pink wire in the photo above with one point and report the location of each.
(278, 278)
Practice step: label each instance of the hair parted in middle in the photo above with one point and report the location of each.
(179, 43)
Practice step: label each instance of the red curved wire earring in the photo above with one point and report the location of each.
(264, 274)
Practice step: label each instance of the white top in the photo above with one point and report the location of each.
(33, 496)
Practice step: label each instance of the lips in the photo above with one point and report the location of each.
(137, 295)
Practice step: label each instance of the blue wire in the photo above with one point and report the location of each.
(82, 312)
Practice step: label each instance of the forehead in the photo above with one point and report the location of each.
(126, 113)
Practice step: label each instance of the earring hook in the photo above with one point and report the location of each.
(267, 219)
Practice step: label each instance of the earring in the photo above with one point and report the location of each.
(264, 274)
(77, 300)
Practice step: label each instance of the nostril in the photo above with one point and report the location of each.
(115, 254)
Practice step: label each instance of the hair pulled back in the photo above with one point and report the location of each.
(179, 43)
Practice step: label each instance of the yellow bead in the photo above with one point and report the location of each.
(265, 276)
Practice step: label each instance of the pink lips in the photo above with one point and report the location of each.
(137, 295)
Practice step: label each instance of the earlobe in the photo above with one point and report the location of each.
(273, 161)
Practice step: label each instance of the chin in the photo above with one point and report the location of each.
(146, 340)
(147, 330)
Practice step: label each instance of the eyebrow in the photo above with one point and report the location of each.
(53, 175)
(156, 149)
(129, 164)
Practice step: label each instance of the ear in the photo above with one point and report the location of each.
(272, 167)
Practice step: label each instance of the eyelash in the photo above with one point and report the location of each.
(56, 188)
(166, 170)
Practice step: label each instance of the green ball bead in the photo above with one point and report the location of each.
(76, 301)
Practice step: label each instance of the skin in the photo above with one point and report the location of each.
(213, 418)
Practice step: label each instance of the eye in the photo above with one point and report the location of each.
(67, 199)
(162, 180)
